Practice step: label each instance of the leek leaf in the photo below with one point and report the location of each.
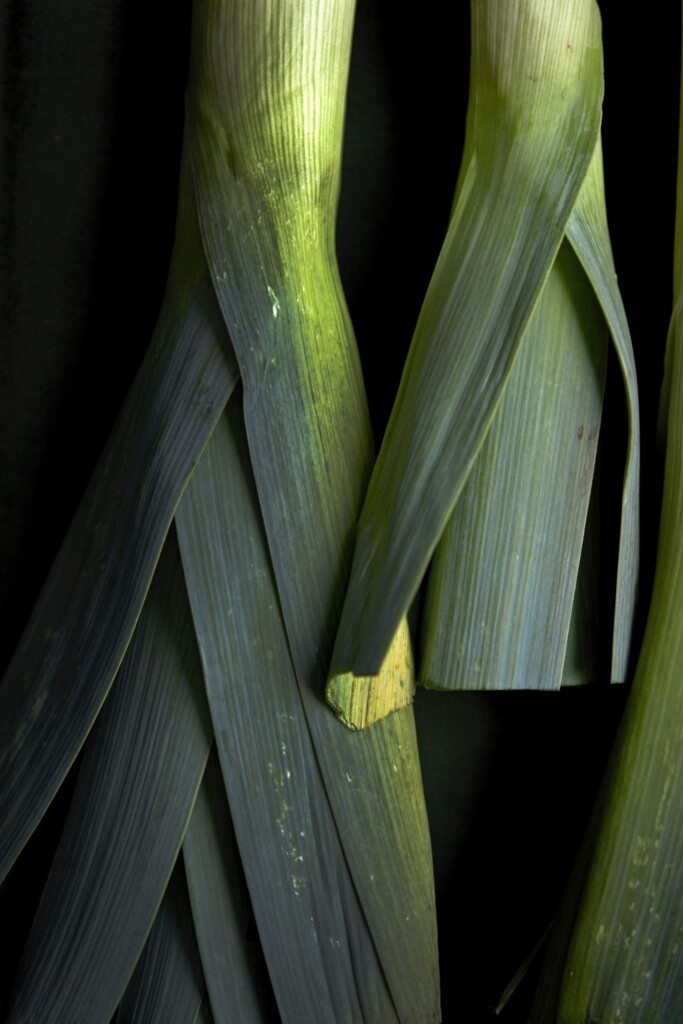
(236, 975)
(167, 986)
(205, 1016)
(616, 953)
(502, 581)
(86, 613)
(134, 794)
(265, 141)
(624, 959)
(320, 957)
(536, 91)
(583, 661)
(588, 233)
(266, 149)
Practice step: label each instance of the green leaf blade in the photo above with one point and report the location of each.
(502, 581)
(56, 682)
(236, 975)
(320, 958)
(537, 81)
(271, 254)
(167, 986)
(133, 797)
(588, 233)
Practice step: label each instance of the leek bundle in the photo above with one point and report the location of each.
(264, 519)
(617, 954)
(512, 314)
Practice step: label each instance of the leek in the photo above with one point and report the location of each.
(502, 583)
(264, 119)
(623, 932)
(536, 81)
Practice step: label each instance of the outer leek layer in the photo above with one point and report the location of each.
(536, 90)
(265, 108)
(502, 581)
(625, 955)
(266, 141)
(626, 959)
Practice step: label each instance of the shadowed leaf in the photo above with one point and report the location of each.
(266, 206)
(86, 613)
(320, 957)
(167, 986)
(536, 82)
(134, 794)
(236, 974)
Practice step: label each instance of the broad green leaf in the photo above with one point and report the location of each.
(588, 233)
(320, 957)
(266, 149)
(536, 90)
(236, 974)
(134, 794)
(502, 581)
(265, 142)
(86, 613)
(625, 959)
(167, 986)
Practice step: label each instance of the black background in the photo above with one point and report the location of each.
(91, 115)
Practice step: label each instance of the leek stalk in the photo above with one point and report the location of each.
(536, 81)
(616, 955)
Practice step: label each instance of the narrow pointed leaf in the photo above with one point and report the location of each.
(132, 801)
(234, 968)
(86, 613)
(588, 233)
(502, 581)
(320, 957)
(167, 986)
(536, 104)
(266, 139)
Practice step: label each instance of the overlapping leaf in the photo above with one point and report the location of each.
(622, 935)
(588, 234)
(265, 140)
(134, 794)
(502, 581)
(535, 102)
(321, 961)
(167, 986)
(236, 976)
(86, 613)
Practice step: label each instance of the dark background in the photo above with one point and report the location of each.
(91, 108)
